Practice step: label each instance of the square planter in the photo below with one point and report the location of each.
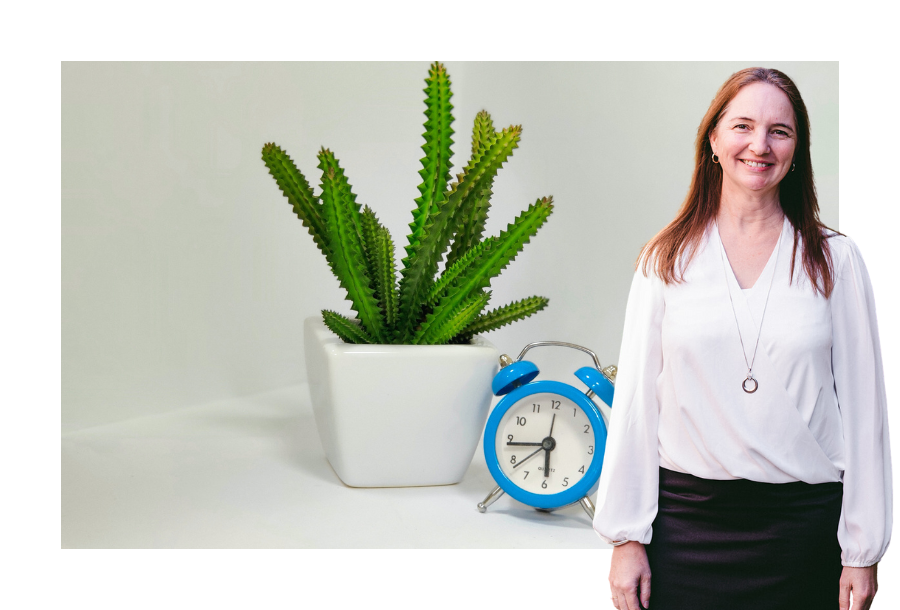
(398, 415)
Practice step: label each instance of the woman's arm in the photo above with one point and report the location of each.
(865, 525)
(629, 483)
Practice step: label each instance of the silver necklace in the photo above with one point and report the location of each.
(750, 384)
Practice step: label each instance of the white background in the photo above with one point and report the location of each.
(859, 37)
(186, 276)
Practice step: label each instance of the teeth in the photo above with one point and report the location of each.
(755, 164)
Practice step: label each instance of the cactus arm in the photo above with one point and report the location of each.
(435, 170)
(480, 172)
(495, 257)
(417, 277)
(474, 211)
(507, 245)
(342, 218)
(298, 192)
(348, 330)
(456, 269)
(475, 192)
(328, 162)
(382, 269)
(369, 227)
(483, 131)
(471, 225)
(386, 278)
(501, 316)
(501, 250)
(462, 315)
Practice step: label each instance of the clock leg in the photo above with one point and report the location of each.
(490, 499)
(588, 507)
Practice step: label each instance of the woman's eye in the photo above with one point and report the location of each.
(780, 132)
(741, 126)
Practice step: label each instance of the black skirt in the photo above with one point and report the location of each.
(744, 545)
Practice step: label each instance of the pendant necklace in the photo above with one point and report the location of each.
(750, 384)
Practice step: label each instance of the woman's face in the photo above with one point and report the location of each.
(755, 140)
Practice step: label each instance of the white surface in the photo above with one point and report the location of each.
(398, 415)
(251, 473)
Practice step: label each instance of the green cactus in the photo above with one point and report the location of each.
(424, 307)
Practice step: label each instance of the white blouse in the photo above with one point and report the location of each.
(819, 414)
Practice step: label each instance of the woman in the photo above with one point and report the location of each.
(748, 464)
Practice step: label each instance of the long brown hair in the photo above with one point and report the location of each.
(797, 194)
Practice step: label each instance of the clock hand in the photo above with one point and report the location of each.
(547, 455)
(529, 457)
(525, 444)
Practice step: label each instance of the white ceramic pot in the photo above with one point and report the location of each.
(398, 415)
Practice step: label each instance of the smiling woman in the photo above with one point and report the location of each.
(748, 461)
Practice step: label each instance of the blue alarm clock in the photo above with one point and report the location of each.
(544, 441)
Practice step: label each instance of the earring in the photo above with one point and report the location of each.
(793, 166)
(715, 159)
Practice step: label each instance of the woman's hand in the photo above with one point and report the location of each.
(629, 577)
(863, 582)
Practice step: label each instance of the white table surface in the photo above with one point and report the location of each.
(250, 473)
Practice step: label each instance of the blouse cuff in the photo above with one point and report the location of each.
(610, 541)
(860, 564)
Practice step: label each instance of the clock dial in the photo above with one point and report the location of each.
(545, 443)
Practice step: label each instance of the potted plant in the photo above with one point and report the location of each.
(401, 392)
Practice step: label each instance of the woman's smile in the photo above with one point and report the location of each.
(757, 165)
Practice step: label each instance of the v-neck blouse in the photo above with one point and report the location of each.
(819, 414)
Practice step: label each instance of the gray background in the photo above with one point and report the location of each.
(186, 277)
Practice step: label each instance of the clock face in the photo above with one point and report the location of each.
(545, 443)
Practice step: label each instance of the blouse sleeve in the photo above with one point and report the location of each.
(629, 482)
(865, 525)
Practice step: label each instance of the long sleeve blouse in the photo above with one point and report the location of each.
(819, 414)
